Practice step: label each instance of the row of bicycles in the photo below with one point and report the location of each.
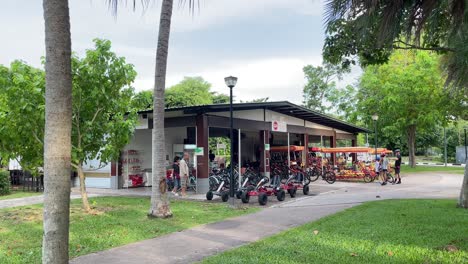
(284, 180)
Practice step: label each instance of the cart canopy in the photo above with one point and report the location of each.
(285, 148)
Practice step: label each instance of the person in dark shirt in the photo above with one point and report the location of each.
(176, 175)
(211, 156)
(397, 166)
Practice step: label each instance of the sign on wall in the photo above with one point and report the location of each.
(199, 151)
(221, 146)
(278, 126)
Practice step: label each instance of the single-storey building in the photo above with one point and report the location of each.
(257, 126)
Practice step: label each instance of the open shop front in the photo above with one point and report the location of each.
(203, 131)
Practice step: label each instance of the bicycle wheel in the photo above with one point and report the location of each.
(313, 175)
(368, 178)
(330, 177)
(390, 178)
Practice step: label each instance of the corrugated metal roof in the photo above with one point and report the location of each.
(283, 107)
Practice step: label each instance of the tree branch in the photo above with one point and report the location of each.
(95, 115)
(411, 46)
(37, 138)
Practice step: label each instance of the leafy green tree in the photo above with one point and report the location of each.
(190, 91)
(101, 99)
(345, 107)
(320, 88)
(142, 100)
(407, 94)
(22, 103)
(369, 31)
(102, 95)
(219, 98)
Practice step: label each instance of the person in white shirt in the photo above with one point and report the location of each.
(184, 173)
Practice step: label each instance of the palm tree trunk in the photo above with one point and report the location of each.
(463, 201)
(57, 137)
(411, 131)
(159, 201)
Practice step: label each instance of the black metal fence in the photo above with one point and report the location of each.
(26, 181)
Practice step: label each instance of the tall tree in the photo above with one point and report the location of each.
(102, 96)
(159, 201)
(57, 135)
(407, 94)
(320, 86)
(143, 100)
(371, 30)
(22, 89)
(190, 91)
(219, 98)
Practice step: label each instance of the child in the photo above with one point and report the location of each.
(377, 166)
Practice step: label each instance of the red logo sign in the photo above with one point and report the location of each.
(275, 125)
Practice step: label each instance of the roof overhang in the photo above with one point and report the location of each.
(282, 107)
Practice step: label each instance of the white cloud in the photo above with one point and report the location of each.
(277, 78)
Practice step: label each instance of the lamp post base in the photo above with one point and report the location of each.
(232, 203)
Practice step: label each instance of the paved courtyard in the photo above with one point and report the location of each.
(210, 239)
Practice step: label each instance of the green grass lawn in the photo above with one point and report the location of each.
(119, 221)
(420, 168)
(18, 194)
(393, 231)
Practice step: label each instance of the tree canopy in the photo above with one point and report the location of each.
(369, 31)
(407, 93)
(102, 121)
(320, 90)
(22, 89)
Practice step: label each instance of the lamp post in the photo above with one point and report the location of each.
(375, 117)
(231, 82)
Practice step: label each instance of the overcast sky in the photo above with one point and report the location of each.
(265, 43)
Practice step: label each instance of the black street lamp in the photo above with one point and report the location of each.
(375, 117)
(231, 82)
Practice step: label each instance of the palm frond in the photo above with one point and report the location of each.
(115, 4)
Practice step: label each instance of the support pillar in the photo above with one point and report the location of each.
(305, 153)
(202, 135)
(265, 154)
(333, 145)
(354, 155)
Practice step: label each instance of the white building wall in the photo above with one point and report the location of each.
(317, 126)
(256, 115)
(142, 141)
(272, 116)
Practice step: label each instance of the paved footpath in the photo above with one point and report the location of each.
(32, 200)
(197, 243)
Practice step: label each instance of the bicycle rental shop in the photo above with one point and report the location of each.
(259, 129)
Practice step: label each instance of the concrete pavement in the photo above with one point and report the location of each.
(194, 244)
(32, 200)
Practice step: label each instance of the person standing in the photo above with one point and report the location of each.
(211, 156)
(397, 166)
(184, 173)
(377, 166)
(176, 175)
(384, 166)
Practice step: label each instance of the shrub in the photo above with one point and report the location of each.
(4, 182)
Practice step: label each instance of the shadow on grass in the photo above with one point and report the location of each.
(120, 221)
